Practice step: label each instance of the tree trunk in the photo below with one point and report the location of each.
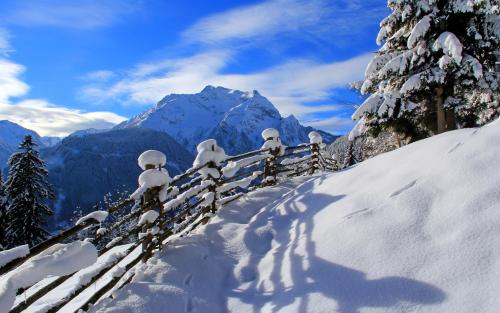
(440, 113)
(451, 122)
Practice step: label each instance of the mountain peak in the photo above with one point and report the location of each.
(233, 117)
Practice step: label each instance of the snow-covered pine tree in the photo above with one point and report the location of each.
(435, 69)
(3, 216)
(27, 190)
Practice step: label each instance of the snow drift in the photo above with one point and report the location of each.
(413, 230)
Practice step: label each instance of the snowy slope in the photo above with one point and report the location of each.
(233, 117)
(11, 135)
(413, 230)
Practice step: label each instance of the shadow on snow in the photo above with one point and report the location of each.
(308, 273)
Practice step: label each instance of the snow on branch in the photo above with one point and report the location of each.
(450, 45)
(370, 105)
(98, 216)
(419, 30)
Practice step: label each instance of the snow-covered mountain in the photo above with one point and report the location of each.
(233, 117)
(11, 135)
(88, 131)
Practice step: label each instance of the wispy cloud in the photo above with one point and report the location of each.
(290, 85)
(51, 120)
(39, 114)
(316, 19)
(334, 124)
(4, 42)
(81, 14)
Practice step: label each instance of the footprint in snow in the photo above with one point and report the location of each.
(188, 280)
(363, 212)
(189, 305)
(454, 147)
(404, 188)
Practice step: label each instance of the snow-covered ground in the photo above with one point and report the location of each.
(413, 230)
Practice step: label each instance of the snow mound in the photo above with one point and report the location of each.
(152, 157)
(412, 230)
(315, 137)
(59, 260)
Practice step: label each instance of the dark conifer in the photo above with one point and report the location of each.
(27, 190)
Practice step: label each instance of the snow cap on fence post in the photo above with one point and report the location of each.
(315, 137)
(211, 155)
(152, 159)
(154, 175)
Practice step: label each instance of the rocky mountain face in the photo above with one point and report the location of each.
(233, 117)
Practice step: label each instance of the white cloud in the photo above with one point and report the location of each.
(334, 124)
(247, 22)
(40, 115)
(4, 42)
(102, 75)
(50, 120)
(290, 86)
(307, 18)
(81, 14)
(10, 84)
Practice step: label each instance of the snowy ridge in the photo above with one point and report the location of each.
(234, 118)
(11, 135)
(412, 230)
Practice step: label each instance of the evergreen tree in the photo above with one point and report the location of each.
(3, 212)
(27, 189)
(435, 70)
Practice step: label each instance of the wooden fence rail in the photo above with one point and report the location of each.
(178, 207)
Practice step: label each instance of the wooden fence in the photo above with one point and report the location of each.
(174, 208)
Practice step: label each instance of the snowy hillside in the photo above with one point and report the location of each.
(11, 135)
(413, 230)
(233, 117)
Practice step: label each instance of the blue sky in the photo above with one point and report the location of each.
(68, 65)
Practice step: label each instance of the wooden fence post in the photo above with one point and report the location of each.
(316, 141)
(273, 144)
(151, 160)
(314, 158)
(210, 155)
